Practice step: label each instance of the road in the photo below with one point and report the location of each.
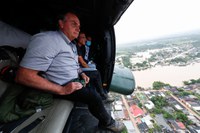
(190, 110)
(130, 115)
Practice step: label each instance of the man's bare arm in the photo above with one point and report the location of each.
(31, 78)
(82, 62)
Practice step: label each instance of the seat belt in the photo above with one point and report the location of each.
(31, 122)
(32, 125)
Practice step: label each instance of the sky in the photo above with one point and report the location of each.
(145, 19)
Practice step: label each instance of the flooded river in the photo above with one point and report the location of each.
(174, 75)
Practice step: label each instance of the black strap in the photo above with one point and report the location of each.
(31, 122)
(32, 125)
(9, 127)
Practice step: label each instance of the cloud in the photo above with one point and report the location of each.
(153, 18)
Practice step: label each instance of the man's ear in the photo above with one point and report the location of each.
(60, 23)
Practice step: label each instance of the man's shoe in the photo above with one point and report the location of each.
(116, 127)
(109, 100)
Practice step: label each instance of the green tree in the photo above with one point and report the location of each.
(186, 83)
(193, 81)
(124, 131)
(152, 115)
(159, 101)
(150, 130)
(157, 128)
(157, 111)
(159, 85)
(126, 61)
(198, 80)
(181, 116)
(168, 93)
(184, 93)
(167, 115)
(140, 105)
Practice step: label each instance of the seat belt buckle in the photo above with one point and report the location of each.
(38, 109)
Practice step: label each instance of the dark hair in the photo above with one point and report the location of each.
(62, 14)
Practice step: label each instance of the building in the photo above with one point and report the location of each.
(136, 111)
(149, 105)
(129, 126)
(148, 120)
(177, 126)
(143, 127)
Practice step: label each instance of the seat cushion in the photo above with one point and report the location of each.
(56, 117)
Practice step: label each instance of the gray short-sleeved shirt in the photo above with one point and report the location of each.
(51, 53)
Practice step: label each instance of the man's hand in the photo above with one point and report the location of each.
(85, 77)
(70, 88)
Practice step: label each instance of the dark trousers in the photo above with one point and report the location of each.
(89, 96)
(95, 79)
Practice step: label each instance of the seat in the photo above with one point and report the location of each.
(55, 117)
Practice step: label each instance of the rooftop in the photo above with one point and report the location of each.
(136, 111)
